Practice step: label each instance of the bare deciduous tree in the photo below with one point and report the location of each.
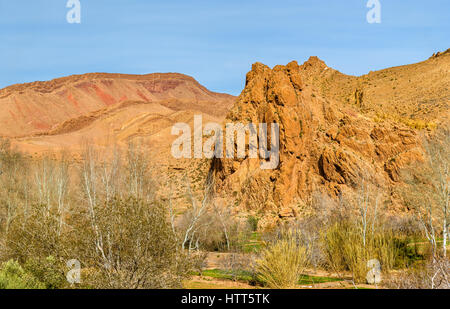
(196, 212)
(428, 190)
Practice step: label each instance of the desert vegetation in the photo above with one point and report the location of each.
(106, 211)
(101, 212)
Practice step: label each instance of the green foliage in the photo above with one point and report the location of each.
(408, 252)
(13, 276)
(48, 271)
(241, 275)
(253, 243)
(253, 223)
(307, 280)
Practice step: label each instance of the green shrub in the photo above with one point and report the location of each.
(48, 271)
(13, 276)
(253, 223)
(408, 252)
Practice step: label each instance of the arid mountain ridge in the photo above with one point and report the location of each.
(106, 110)
(336, 132)
(335, 129)
(36, 108)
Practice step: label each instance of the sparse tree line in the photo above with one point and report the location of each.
(105, 212)
(102, 212)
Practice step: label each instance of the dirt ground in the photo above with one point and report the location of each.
(215, 260)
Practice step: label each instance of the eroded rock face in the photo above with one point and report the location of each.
(324, 145)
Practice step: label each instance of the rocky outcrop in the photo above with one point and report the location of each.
(325, 145)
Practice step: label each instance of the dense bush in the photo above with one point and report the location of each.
(133, 246)
(13, 276)
(49, 271)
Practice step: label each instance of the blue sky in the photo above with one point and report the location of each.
(214, 41)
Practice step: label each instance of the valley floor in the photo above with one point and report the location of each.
(215, 278)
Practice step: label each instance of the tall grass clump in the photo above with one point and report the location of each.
(282, 262)
(347, 250)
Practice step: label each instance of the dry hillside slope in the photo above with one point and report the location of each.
(38, 107)
(111, 109)
(417, 94)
